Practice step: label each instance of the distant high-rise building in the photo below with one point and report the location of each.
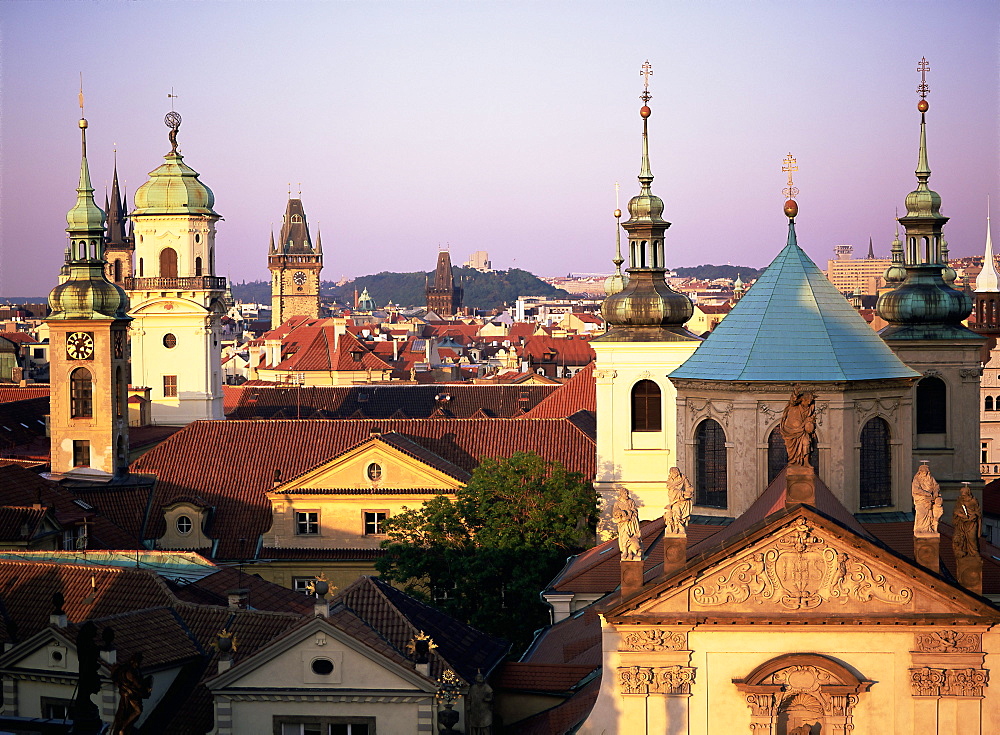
(480, 260)
(849, 276)
(444, 297)
(295, 267)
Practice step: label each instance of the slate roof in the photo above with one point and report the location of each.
(397, 617)
(256, 400)
(231, 464)
(793, 325)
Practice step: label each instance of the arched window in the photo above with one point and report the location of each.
(140, 267)
(118, 271)
(932, 405)
(168, 263)
(875, 478)
(989, 403)
(81, 394)
(710, 461)
(777, 455)
(120, 400)
(197, 266)
(646, 406)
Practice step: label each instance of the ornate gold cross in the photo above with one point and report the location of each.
(788, 165)
(923, 66)
(646, 72)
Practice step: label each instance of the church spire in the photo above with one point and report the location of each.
(896, 272)
(85, 219)
(988, 279)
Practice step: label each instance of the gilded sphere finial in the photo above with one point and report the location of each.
(618, 214)
(922, 105)
(83, 123)
(645, 111)
(791, 208)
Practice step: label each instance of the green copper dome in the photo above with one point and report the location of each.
(925, 307)
(88, 294)
(174, 188)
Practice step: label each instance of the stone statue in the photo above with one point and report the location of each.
(132, 689)
(798, 426)
(927, 504)
(480, 707)
(967, 519)
(86, 716)
(626, 517)
(680, 501)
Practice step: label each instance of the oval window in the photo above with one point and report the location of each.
(184, 525)
(197, 237)
(169, 341)
(374, 472)
(322, 666)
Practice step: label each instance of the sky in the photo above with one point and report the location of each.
(501, 126)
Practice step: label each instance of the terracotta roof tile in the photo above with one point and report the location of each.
(231, 463)
(536, 677)
(564, 718)
(579, 393)
(10, 393)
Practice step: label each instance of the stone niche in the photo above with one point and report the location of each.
(801, 694)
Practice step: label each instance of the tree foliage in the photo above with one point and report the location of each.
(487, 555)
(711, 272)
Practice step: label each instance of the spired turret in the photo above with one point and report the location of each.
(646, 309)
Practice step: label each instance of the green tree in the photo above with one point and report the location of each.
(487, 555)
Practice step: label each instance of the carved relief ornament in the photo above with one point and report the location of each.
(949, 641)
(653, 640)
(655, 679)
(885, 406)
(930, 682)
(800, 571)
(709, 409)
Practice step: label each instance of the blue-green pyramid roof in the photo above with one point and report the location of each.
(793, 325)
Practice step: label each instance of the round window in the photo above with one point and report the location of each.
(57, 656)
(322, 666)
(169, 341)
(374, 472)
(184, 525)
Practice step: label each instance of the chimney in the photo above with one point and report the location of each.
(58, 615)
(237, 598)
(226, 646)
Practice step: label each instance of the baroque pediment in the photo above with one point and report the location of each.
(806, 570)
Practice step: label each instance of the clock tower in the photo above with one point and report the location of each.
(295, 267)
(88, 355)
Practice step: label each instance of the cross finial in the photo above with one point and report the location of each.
(923, 66)
(81, 94)
(646, 72)
(300, 190)
(788, 165)
(172, 97)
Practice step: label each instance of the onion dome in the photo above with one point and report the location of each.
(896, 272)
(86, 292)
(947, 272)
(646, 309)
(174, 187)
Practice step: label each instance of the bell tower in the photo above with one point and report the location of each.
(925, 331)
(637, 432)
(295, 267)
(88, 354)
(177, 300)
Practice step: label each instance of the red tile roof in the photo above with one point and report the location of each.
(579, 393)
(574, 350)
(536, 677)
(231, 464)
(564, 718)
(17, 393)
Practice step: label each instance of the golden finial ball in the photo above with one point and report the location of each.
(645, 111)
(791, 208)
(922, 105)
(618, 213)
(83, 122)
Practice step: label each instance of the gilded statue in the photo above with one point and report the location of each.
(798, 426)
(927, 504)
(680, 501)
(133, 687)
(626, 516)
(967, 520)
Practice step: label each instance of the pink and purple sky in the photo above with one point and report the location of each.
(501, 126)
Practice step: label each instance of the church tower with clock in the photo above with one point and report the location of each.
(88, 361)
(177, 300)
(295, 267)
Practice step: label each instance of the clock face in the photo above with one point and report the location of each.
(299, 278)
(80, 345)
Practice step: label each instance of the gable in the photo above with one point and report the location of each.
(397, 470)
(808, 570)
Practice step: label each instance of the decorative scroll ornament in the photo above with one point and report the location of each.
(965, 682)
(886, 406)
(799, 572)
(926, 682)
(654, 640)
(655, 680)
(949, 641)
(709, 409)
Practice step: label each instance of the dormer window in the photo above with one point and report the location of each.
(296, 219)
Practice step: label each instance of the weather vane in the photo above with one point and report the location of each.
(172, 97)
(81, 94)
(646, 72)
(788, 165)
(923, 67)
